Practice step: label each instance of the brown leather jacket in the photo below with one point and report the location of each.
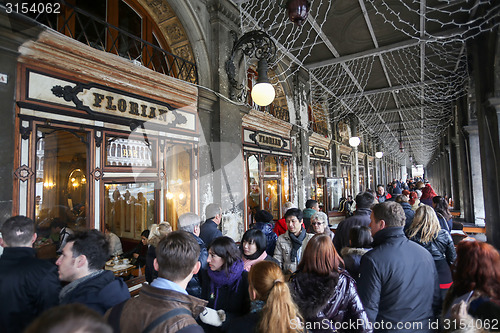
(153, 302)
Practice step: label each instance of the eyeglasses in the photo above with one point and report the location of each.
(317, 223)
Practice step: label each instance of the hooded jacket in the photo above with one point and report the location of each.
(271, 237)
(99, 293)
(327, 300)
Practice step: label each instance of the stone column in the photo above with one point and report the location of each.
(476, 175)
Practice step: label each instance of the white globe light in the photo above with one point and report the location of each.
(263, 94)
(354, 141)
(379, 154)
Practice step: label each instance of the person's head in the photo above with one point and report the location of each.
(144, 237)
(364, 200)
(84, 253)
(401, 198)
(253, 244)
(419, 185)
(385, 215)
(312, 204)
(477, 268)
(267, 283)
(380, 190)
(18, 231)
(214, 212)
(406, 193)
(222, 254)
(107, 229)
(413, 197)
(177, 256)
(263, 216)
(360, 236)
(426, 222)
(287, 206)
(319, 222)
(293, 219)
(69, 318)
(190, 222)
(320, 257)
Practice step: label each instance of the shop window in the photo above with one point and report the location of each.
(61, 177)
(253, 184)
(125, 152)
(270, 164)
(285, 181)
(129, 208)
(271, 199)
(178, 196)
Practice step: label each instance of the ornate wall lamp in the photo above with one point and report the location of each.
(254, 44)
(298, 10)
(379, 153)
(354, 140)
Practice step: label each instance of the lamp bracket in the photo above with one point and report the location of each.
(254, 44)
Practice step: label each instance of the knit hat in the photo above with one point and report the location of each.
(263, 216)
(406, 192)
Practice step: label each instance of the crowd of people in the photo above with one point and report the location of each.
(391, 265)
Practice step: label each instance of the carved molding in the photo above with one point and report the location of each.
(23, 173)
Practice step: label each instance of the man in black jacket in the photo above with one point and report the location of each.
(28, 286)
(364, 201)
(210, 229)
(398, 280)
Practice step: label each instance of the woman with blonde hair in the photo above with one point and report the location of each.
(158, 231)
(273, 309)
(426, 231)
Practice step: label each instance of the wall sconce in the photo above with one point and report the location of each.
(354, 140)
(254, 44)
(379, 153)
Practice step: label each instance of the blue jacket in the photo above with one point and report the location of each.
(271, 236)
(361, 217)
(209, 231)
(99, 293)
(28, 286)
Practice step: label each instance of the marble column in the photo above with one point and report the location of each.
(476, 175)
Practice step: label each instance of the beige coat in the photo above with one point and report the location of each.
(283, 251)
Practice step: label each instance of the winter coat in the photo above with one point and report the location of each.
(326, 299)
(209, 231)
(28, 286)
(445, 224)
(283, 251)
(409, 213)
(280, 227)
(308, 213)
(352, 259)
(194, 286)
(271, 237)
(153, 302)
(99, 293)
(150, 271)
(398, 281)
(440, 248)
(361, 217)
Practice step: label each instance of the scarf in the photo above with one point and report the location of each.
(247, 263)
(225, 278)
(73, 285)
(256, 306)
(296, 243)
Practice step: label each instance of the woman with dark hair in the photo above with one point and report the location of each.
(138, 254)
(273, 309)
(225, 283)
(426, 231)
(253, 248)
(476, 280)
(325, 294)
(263, 222)
(360, 240)
(443, 213)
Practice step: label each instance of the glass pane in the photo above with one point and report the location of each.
(271, 203)
(285, 182)
(253, 184)
(131, 22)
(335, 188)
(178, 183)
(61, 178)
(128, 152)
(270, 164)
(129, 208)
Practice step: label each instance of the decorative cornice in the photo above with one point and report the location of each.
(225, 11)
(266, 122)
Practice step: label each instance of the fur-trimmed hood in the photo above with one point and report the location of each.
(353, 251)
